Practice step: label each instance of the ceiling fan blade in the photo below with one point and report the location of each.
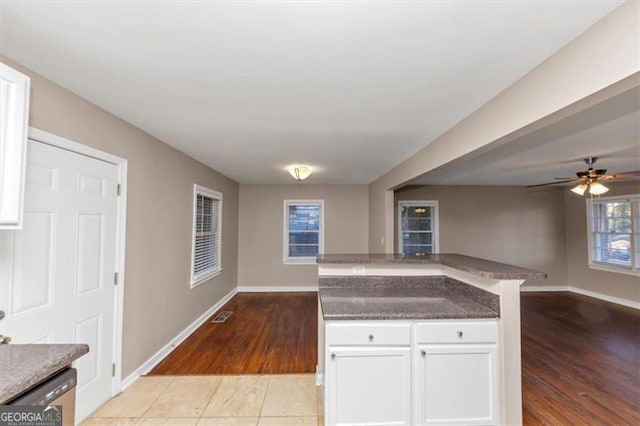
(622, 176)
(562, 182)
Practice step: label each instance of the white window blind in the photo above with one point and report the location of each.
(614, 232)
(303, 230)
(418, 227)
(207, 233)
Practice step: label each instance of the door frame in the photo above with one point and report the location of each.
(121, 219)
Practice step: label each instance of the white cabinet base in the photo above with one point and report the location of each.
(411, 372)
(457, 384)
(368, 386)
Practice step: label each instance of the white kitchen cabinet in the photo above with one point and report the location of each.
(368, 373)
(369, 385)
(411, 372)
(456, 373)
(14, 117)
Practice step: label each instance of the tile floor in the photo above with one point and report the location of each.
(215, 400)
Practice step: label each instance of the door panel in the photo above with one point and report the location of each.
(57, 272)
(457, 384)
(369, 386)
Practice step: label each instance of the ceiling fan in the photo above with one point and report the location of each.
(591, 178)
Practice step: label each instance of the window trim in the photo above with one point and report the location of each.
(435, 223)
(286, 259)
(201, 278)
(635, 227)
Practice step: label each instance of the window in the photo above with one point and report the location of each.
(418, 227)
(207, 234)
(303, 230)
(614, 233)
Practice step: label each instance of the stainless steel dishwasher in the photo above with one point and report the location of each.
(59, 389)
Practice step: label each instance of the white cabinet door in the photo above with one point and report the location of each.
(14, 114)
(368, 386)
(457, 384)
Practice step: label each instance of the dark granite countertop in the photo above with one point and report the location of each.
(403, 298)
(474, 265)
(24, 366)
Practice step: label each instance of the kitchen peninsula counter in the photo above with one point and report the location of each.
(481, 267)
(440, 299)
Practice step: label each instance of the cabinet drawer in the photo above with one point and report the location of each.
(368, 334)
(457, 332)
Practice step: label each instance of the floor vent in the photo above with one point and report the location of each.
(221, 316)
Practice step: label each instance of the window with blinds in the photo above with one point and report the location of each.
(418, 227)
(207, 233)
(303, 230)
(614, 233)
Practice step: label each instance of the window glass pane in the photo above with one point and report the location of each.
(304, 218)
(206, 243)
(418, 249)
(303, 238)
(417, 222)
(617, 224)
(612, 227)
(303, 251)
(416, 238)
(304, 230)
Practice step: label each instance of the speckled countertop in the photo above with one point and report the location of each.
(403, 297)
(23, 366)
(474, 265)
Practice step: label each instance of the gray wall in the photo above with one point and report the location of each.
(579, 273)
(260, 240)
(158, 300)
(502, 223)
(598, 65)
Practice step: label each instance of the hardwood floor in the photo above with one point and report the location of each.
(268, 333)
(580, 356)
(580, 361)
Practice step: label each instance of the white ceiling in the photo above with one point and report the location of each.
(616, 143)
(351, 88)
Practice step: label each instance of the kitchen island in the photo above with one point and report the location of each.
(420, 340)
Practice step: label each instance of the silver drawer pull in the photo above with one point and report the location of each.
(333, 356)
(459, 333)
(423, 352)
(371, 337)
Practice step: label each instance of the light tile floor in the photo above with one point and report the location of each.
(215, 401)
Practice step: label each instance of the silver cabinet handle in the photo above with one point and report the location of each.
(423, 352)
(333, 356)
(459, 333)
(371, 337)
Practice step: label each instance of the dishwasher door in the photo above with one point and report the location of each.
(59, 389)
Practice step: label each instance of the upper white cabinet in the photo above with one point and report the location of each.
(14, 117)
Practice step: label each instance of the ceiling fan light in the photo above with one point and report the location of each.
(579, 189)
(299, 172)
(596, 188)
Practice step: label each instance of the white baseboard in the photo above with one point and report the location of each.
(594, 294)
(544, 288)
(606, 297)
(275, 289)
(166, 350)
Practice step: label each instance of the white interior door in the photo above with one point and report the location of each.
(58, 271)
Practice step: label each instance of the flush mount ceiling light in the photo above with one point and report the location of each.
(299, 172)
